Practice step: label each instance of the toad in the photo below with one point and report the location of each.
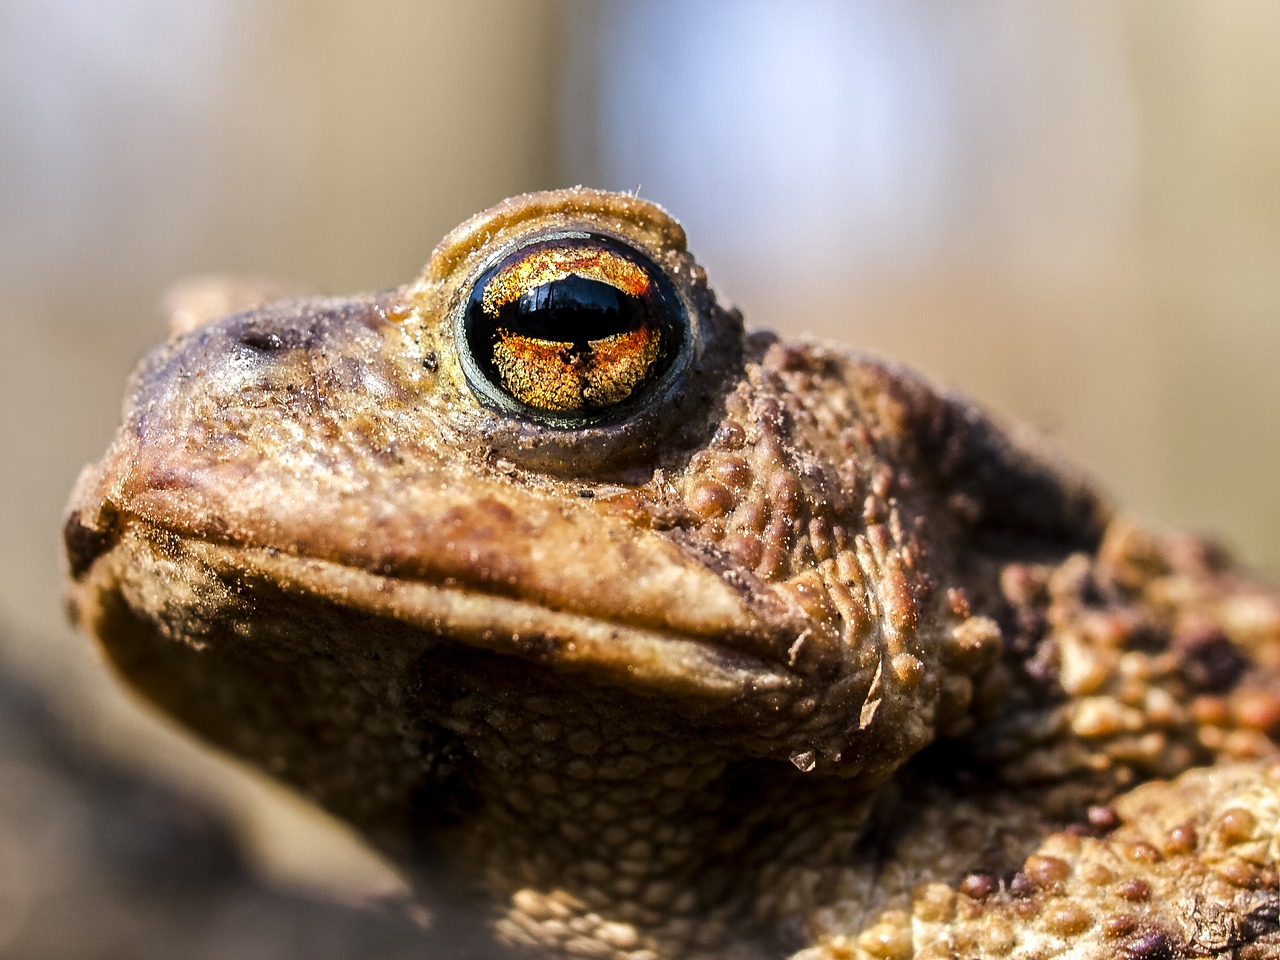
(666, 639)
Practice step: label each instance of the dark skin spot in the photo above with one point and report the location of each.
(262, 341)
(1210, 663)
(1103, 818)
(979, 885)
(1020, 885)
(84, 544)
(1149, 945)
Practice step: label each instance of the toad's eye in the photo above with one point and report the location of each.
(570, 328)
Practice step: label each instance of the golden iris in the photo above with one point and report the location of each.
(573, 325)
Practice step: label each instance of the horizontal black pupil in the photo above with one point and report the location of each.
(572, 310)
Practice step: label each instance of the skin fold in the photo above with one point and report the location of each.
(784, 654)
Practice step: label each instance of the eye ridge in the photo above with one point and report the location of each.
(572, 328)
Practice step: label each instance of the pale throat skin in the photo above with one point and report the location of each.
(790, 655)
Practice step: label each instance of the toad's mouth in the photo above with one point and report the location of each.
(644, 658)
(678, 657)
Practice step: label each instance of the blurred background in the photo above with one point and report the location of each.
(1070, 211)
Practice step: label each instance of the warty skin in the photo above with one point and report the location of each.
(794, 656)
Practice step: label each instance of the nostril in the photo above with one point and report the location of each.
(262, 340)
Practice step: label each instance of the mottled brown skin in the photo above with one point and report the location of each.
(801, 658)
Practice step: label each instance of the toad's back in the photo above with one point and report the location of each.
(671, 640)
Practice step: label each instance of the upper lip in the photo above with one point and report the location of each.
(480, 560)
(631, 655)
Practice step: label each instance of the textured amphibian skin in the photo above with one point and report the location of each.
(672, 640)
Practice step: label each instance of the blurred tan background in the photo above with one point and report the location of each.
(1068, 210)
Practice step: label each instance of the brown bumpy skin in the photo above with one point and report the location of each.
(794, 656)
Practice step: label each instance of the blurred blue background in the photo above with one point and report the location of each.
(1071, 211)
